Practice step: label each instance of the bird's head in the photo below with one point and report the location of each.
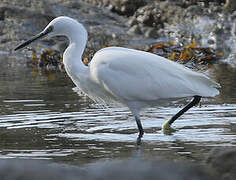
(57, 27)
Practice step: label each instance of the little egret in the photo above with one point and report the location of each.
(134, 78)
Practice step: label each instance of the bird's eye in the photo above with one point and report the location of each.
(50, 28)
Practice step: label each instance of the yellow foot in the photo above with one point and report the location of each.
(167, 129)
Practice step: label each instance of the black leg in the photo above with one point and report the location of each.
(195, 101)
(140, 127)
(166, 126)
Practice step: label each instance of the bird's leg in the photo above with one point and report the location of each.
(166, 127)
(140, 127)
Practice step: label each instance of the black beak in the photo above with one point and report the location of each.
(38, 36)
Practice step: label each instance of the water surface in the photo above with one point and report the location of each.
(41, 117)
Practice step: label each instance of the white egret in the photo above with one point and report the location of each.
(131, 77)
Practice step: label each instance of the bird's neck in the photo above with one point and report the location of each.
(72, 57)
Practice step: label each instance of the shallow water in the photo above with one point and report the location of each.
(41, 117)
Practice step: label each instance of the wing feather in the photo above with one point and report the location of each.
(136, 75)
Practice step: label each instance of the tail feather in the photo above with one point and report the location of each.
(205, 86)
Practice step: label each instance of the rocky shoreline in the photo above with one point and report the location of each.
(123, 22)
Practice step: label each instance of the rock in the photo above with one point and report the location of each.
(42, 6)
(194, 10)
(230, 6)
(135, 30)
(205, 2)
(233, 31)
(114, 169)
(211, 41)
(155, 14)
(19, 20)
(122, 7)
(176, 19)
(223, 161)
(37, 170)
(151, 33)
(132, 21)
(148, 15)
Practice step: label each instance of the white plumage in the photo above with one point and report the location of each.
(134, 75)
(134, 78)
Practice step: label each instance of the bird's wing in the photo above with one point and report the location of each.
(137, 75)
